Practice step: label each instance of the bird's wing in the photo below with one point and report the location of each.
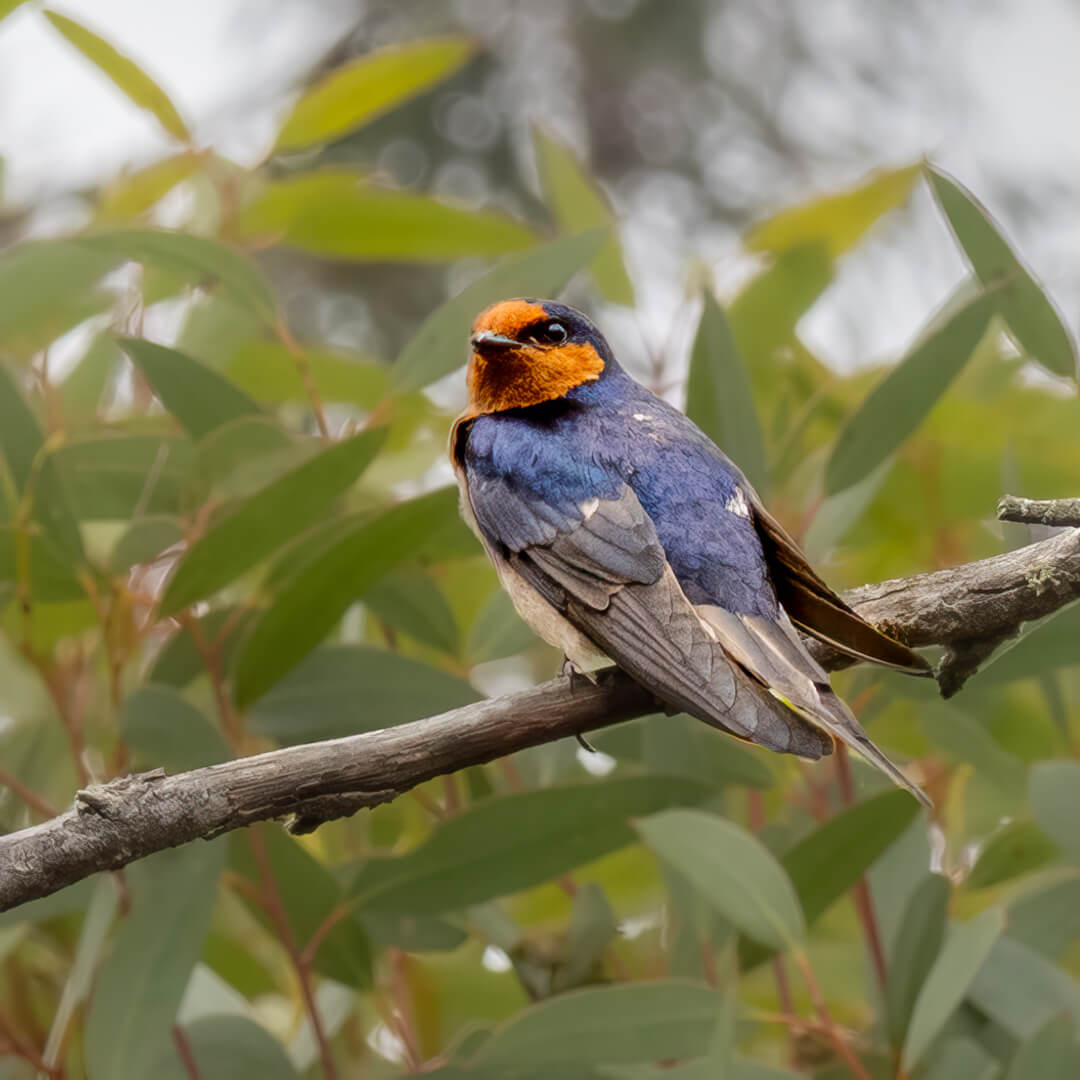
(608, 575)
(773, 653)
(818, 611)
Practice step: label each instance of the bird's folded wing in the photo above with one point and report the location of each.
(609, 576)
(818, 611)
(772, 652)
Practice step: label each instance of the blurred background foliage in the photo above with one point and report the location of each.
(224, 400)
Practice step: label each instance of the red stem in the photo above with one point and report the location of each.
(187, 1057)
(275, 909)
(864, 902)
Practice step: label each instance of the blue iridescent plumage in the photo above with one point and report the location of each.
(558, 454)
(619, 528)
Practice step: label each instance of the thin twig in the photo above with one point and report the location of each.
(303, 367)
(25, 1049)
(274, 907)
(406, 1022)
(38, 803)
(231, 722)
(864, 902)
(187, 1055)
(832, 1032)
(1052, 512)
(755, 806)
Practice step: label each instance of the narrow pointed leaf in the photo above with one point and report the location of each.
(502, 845)
(966, 949)
(732, 870)
(1021, 302)
(166, 731)
(141, 984)
(309, 895)
(410, 600)
(226, 1047)
(1051, 1053)
(764, 315)
(200, 399)
(1020, 991)
(635, 1022)
(313, 600)
(124, 73)
(829, 861)
(914, 952)
(37, 278)
(345, 689)
(133, 193)
(719, 398)
(442, 342)
(357, 92)
(578, 205)
(1054, 797)
(268, 519)
(342, 215)
(1047, 920)
(838, 221)
(188, 254)
(8, 6)
(896, 407)
(34, 471)
(1018, 847)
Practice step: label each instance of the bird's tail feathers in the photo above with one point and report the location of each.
(837, 719)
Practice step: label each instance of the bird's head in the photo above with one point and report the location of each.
(526, 351)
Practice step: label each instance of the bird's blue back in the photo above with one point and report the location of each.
(557, 455)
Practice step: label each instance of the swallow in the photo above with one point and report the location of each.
(622, 532)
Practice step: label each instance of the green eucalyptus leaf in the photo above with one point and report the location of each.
(441, 344)
(895, 408)
(199, 398)
(311, 602)
(732, 870)
(268, 519)
(966, 949)
(124, 73)
(1031, 317)
(513, 842)
(140, 986)
(355, 93)
(719, 398)
(342, 215)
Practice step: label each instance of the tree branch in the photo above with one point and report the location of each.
(969, 610)
(1054, 512)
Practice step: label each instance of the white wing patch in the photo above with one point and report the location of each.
(738, 504)
(588, 508)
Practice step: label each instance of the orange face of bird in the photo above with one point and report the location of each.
(522, 355)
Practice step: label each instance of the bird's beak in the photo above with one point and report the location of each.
(490, 342)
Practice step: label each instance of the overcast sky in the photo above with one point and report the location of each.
(62, 125)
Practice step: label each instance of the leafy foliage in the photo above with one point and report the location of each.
(229, 540)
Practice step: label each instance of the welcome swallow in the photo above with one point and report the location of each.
(621, 530)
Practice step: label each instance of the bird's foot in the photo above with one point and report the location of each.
(572, 672)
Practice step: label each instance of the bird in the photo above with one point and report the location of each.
(623, 533)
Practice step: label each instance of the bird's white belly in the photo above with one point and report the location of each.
(545, 620)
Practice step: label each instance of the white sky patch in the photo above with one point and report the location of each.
(230, 67)
(226, 64)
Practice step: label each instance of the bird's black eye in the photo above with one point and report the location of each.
(554, 332)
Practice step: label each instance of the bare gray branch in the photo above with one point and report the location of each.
(969, 610)
(1053, 512)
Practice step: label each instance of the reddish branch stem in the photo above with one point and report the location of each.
(864, 902)
(275, 908)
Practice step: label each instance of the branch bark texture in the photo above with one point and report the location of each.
(969, 610)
